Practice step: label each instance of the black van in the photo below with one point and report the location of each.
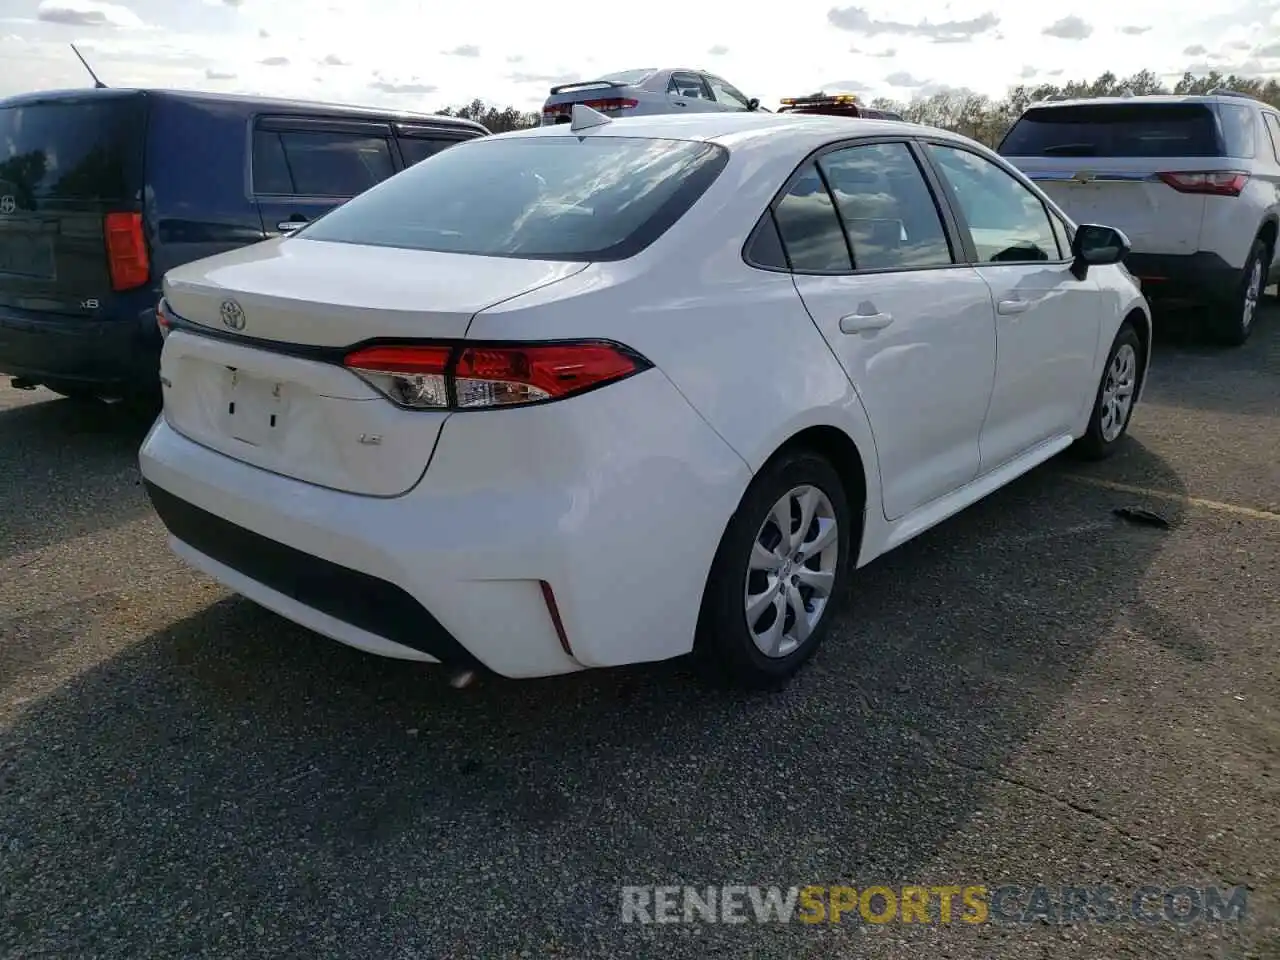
(102, 191)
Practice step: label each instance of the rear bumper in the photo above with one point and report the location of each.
(616, 501)
(119, 352)
(1197, 276)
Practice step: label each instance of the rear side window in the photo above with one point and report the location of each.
(887, 208)
(1273, 133)
(89, 149)
(549, 198)
(810, 226)
(416, 149)
(1115, 130)
(318, 163)
(1237, 131)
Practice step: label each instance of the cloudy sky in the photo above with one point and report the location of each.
(420, 54)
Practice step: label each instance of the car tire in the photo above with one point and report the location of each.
(1116, 397)
(1238, 317)
(741, 641)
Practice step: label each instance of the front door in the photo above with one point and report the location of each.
(1047, 320)
(910, 323)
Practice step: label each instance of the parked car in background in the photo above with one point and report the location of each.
(103, 190)
(835, 105)
(645, 92)
(606, 392)
(1194, 182)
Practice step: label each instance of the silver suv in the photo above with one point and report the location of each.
(1194, 181)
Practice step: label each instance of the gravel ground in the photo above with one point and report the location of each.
(1035, 692)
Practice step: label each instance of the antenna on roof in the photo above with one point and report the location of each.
(583, 117)
(98, 84)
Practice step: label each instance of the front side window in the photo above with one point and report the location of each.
(887, 207)
(1007, 222)
(550, 198)
(726, 94)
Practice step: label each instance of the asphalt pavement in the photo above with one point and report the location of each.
(1037, 692)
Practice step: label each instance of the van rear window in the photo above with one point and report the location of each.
(83, 149)
(1115, 130)
(538, 198)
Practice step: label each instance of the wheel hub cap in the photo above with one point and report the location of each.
(791, 571)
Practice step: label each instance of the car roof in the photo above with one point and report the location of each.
(1146, 98)
(805, 131)
(272, 104)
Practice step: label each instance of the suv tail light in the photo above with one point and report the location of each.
(126, 251)
(472, 376)
(1218, 183)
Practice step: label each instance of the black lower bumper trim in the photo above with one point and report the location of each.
(364, 601)
(1196, 276)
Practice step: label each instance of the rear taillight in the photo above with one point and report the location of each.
(605, 105)
(126, 251)
(475, 376)
(164, 320)
(1217, 183)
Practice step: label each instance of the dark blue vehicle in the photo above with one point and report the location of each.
(102, 191)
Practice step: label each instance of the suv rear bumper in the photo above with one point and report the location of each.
(114, 353)
(1196, 276)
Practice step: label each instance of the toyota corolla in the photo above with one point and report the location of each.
(616, 391)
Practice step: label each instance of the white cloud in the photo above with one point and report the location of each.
(86, 13)
(979, 44)
(1068, 28)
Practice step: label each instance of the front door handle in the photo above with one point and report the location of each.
(1008, 308)
(865, 322)
(288, 226)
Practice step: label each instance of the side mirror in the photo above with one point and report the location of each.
(753, 103)
(1095, 245)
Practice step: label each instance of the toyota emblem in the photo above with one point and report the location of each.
(232, 315)
(8, 205)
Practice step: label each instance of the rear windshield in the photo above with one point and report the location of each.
(538, 198)
(72, 150)
(632, 77)
(1115, 130)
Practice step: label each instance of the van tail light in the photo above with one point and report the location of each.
(126, 251)
(474, 376)
(1217, 183)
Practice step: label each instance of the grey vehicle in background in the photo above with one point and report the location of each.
(632, 93)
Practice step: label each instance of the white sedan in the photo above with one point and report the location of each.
(619, 391)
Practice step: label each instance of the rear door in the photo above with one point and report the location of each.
(303, 167)
(1118, 163)
(909, 321)
(71, 183)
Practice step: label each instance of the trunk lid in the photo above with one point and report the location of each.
(1101, 162)
(613, 96)
(266, 385)
(67, 163)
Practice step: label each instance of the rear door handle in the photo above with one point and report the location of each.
(865, 322)
(288, 226)
(1007, 308)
